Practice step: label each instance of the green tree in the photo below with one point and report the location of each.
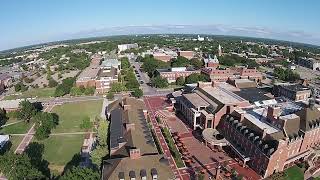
(77, 173)
(125, 63)
(159, 82)
(35, 152)
(137, 93)
(110, 95)
(65, 87)
(20, 87)
(52, 83)
(180, 61)
(89, 91)
(180, 81)
(102, 132)
(150, 65)
(97, 155)
(15, 166)
(75, 91)
(26, 111)
(86, 123)
(45, 122)
(194, 78)
(196, 63)
(117, 87)
(3, 116)
(17, 87)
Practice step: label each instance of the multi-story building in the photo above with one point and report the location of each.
(268, 137)
(310, 63)
(204, 107)
(163, 56)
(99, 75)
(172, 74)
(224, 74)
(133, 153)
(272, 138)
(123, 47)
(105, 79)
(186, 54)
(295, 92)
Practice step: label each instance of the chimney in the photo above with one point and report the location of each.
(264, 133)
(126, 107)
(214, 84)
(273, 112)
(135, 153)
(145, 113)
(218, 173)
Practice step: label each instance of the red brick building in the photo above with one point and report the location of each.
(172, 74)
(270, 140)
(224, 74)
(186, 54)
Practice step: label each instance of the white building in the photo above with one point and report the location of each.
(200, 38)
(3, 140)
(123, 47)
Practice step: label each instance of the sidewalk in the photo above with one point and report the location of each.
(162, 142)
(28, 137)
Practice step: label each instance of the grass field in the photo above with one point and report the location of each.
(59, 150)
(294, 173)
(41, 92)
(15, 141)
(19, 128)
(72, 114)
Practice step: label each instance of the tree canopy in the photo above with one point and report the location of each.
(159, 82)
(194, 78)
(77, 173)
(150, 64)
(26, 110)
(45, 122)
(3, 116)
(286, 74)
(15, 166)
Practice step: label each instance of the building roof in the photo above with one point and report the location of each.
(256, 117)
(253, 94)
(116, 127)
(294, 87)
(308, 117)
(139, 137)
(113, 167)
(88, 73)
(196, 100)
(222, 95)
(110, 63)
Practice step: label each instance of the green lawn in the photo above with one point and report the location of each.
(19, 128)
(72, 114)
(173, 149)
(59, 150)
(41, 92)
(294, 173)
(15, 141)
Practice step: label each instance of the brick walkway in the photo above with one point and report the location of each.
(162, 141)
(204, 157)
(28, 137)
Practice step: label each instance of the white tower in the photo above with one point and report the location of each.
(219, 51)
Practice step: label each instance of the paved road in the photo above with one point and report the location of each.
(147, 90)
(60, 100)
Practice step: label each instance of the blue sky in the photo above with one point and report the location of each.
(25, 22)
